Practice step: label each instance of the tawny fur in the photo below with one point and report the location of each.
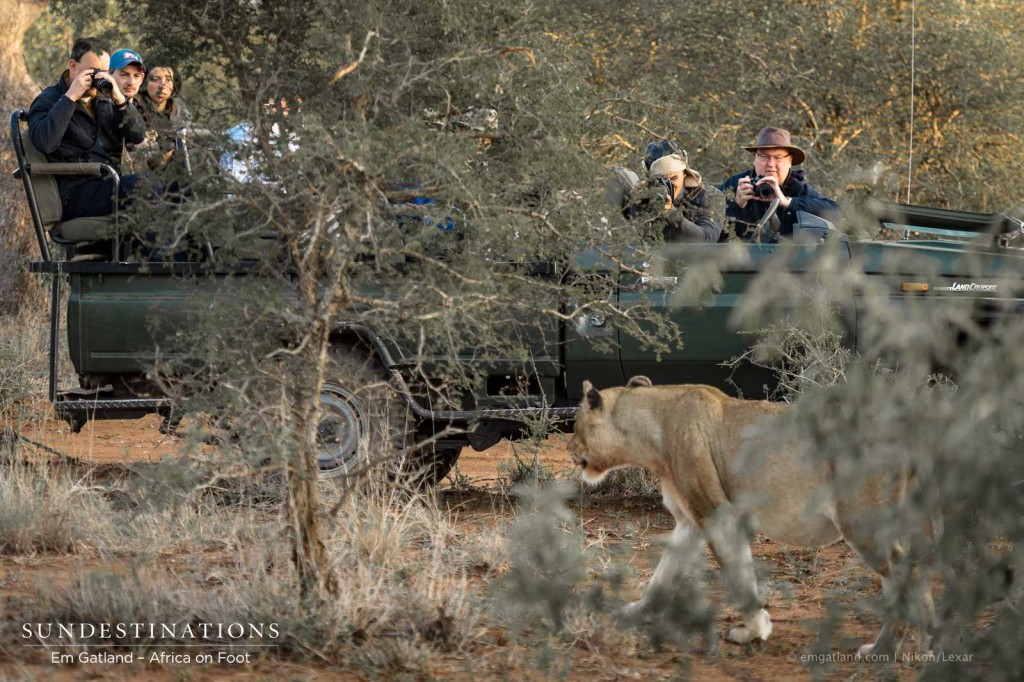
(710, 452)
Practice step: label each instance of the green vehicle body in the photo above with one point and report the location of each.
(122, 317)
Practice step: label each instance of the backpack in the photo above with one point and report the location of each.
(619, 186)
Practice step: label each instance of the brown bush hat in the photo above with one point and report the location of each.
(777, 138)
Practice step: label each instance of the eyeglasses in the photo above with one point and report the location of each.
(772, 157)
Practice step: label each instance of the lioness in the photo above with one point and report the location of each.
(707, 448)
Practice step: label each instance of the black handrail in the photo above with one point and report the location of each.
(23, 169)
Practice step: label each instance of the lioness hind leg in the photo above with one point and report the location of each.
(884, 557)
(922, 595)
(884, 644)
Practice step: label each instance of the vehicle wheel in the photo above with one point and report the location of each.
(364, 422)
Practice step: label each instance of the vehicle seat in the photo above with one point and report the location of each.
(83, 238)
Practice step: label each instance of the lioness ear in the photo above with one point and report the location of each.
(592, 395)
(638, 380)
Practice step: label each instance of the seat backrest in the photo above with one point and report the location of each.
(43, 186)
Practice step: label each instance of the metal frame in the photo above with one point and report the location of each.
(23, 167)
(63, 408)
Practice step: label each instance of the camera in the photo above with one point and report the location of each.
(664, 183)
(761, 191)
(647, 198)
(102, 85)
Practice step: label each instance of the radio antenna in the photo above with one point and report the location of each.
(913, 50)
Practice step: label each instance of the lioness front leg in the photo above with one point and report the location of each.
(731, 548)
(670, 567)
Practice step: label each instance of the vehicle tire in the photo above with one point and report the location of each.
(364, 422)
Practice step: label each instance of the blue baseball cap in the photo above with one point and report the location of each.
(123, 58)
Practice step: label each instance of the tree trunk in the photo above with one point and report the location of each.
(16, 87)
(17, 90)
(317, 580)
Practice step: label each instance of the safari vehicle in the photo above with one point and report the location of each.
(112, 302)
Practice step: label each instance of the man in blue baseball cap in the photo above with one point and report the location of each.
(128, 69)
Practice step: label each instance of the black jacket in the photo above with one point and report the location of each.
(66, 132)
(803, 195)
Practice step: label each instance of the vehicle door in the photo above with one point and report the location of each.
(710, 335)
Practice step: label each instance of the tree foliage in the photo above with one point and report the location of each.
(839, 77)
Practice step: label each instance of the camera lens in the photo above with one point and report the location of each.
(762, 191)
(102, 85)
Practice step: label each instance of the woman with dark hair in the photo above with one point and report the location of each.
(166, 116)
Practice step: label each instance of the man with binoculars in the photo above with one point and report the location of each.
(85, 118)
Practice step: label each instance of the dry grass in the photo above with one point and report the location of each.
(402, 565)
(42, 510)
(24, 340)
(631, 482)
(413, 584)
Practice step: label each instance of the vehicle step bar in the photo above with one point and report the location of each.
(77, 412)
(151, 404)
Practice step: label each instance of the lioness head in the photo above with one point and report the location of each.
(597, 446)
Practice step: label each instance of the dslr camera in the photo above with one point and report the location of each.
(761, 191)
(660, 182)
(102, 85)
(647, 198)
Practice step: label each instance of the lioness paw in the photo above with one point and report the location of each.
(757, 626)
(883, 649)
(633, 612)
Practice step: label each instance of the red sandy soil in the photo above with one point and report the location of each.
(639, 524)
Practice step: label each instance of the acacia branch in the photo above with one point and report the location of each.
(352, 66)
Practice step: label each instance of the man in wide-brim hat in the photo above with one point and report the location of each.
(773, 177)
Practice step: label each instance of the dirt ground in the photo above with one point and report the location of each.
(803, 585)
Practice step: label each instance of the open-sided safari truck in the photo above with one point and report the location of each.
(119, 313)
